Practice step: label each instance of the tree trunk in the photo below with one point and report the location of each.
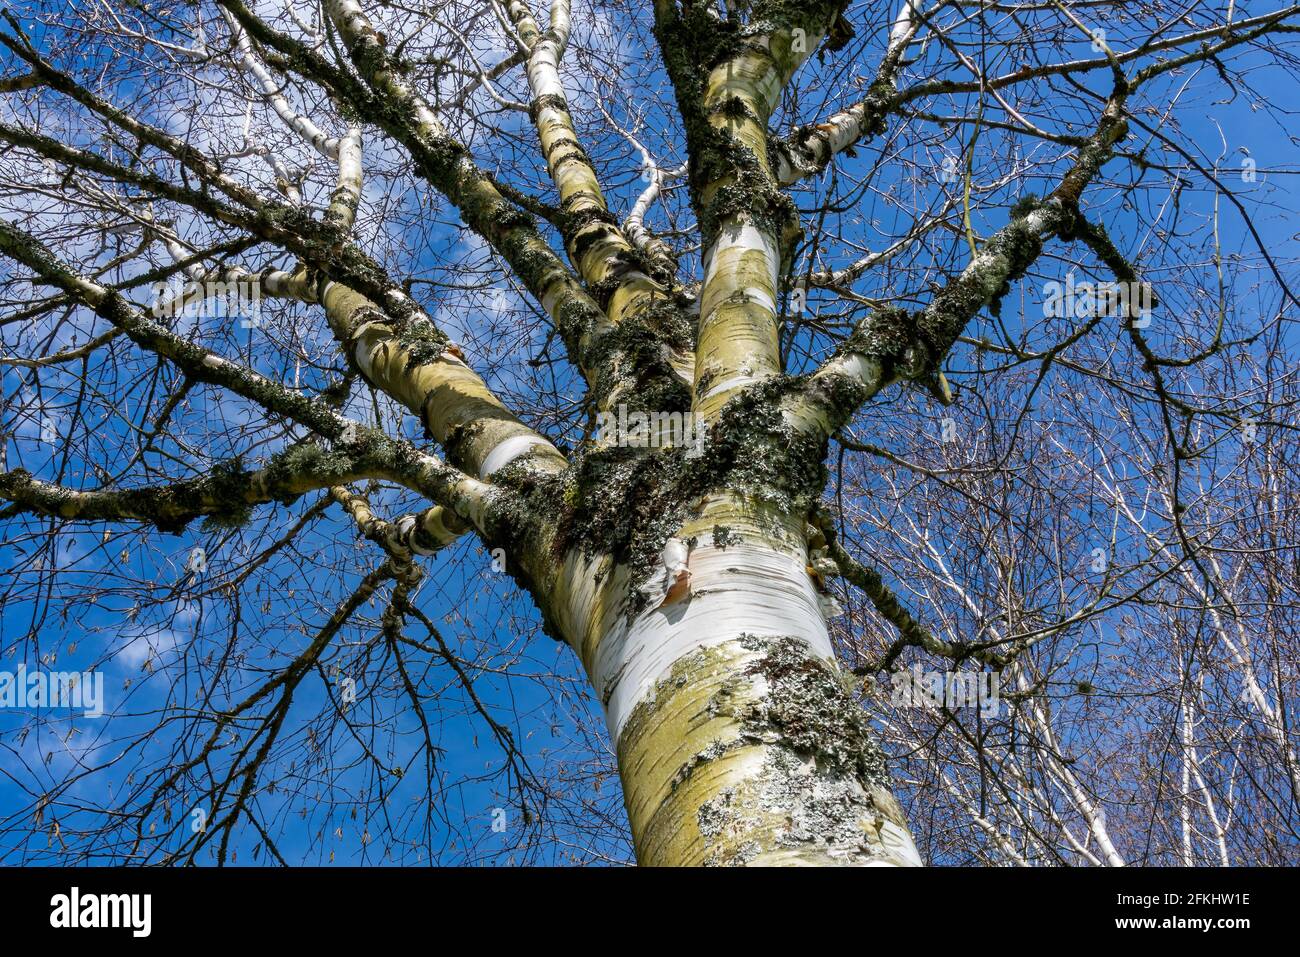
(738, 738)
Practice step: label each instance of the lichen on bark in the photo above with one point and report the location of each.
(754, 751)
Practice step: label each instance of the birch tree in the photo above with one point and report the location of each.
(667, 312)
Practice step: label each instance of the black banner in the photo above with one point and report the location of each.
(334, 905)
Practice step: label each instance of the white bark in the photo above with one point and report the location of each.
(737, 737)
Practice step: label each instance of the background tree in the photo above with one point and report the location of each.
(758, 354)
